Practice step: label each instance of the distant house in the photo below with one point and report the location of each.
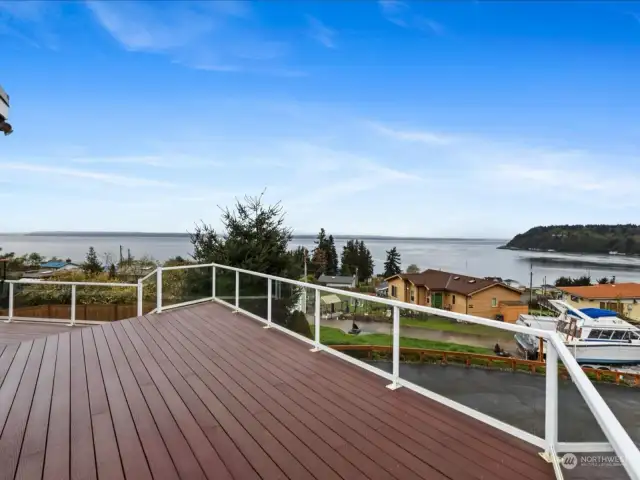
(59, 265)
(623, 298)
(481, 297)
(338, 281)
(49, 269)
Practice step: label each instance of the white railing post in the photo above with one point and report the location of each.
(396, 349)
(73, 306)
(159, 290)
(139, 312)
(213, 283)
(237, 292)
(8, 320)
(551, 403)
(316, 322)
(269, 293)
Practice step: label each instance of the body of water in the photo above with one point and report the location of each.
(477, 257)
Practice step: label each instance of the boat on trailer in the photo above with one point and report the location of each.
(594, 336)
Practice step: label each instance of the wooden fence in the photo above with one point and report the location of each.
(98, 313)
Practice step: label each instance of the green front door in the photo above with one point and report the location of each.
(436, 300)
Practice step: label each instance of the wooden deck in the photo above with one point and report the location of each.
(16, 332)
(203, 393)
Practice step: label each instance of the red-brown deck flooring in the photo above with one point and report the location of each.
(16, 332)
(203, 393)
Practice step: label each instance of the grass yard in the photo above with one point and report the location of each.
(335, 336)
(446, 325)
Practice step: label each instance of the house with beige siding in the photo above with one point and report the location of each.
(623, 298)
(487, 298)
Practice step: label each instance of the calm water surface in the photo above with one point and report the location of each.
(479, 257)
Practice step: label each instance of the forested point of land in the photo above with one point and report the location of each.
(622, 239)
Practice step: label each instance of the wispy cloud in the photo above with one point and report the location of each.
(110, 178)
(401, 14)
(29, 21)
(573, 175)
(321, 33)
(214, 36)
(429, 138)
(165, 161)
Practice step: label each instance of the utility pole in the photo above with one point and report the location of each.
(531, 284)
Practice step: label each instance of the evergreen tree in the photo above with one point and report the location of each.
(321, 254)
(254, 238)
(357, 257)
(92, 264)
(392, 264)
(332, 262)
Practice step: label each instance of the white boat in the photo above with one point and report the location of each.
(594, 336)
(528, 344)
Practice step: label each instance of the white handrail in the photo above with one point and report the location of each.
(618, 438)
(149, 275)
(622, 444)
(82, 284)
(396, 303)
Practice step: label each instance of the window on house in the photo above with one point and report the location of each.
(603, 305)
(494, 302)
(453, 299)
(413, 295)
(394, 291)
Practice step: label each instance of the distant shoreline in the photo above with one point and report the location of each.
(187, 235)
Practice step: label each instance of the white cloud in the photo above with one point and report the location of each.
(570, 176)
(321, 33)
(214, 36)
(114, 179)
(430, 138)
(160, 161)
(401, 14)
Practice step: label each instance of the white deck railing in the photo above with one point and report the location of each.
(618, 439)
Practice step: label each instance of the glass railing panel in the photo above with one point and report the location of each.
(106, 303)
(226, 285)
(149, 294)
(481, 367)
(292, 308)
(42, 301)
(185, 285)
(362, 329)
(253, 294)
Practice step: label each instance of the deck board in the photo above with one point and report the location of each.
(200, 392)
(19, 331)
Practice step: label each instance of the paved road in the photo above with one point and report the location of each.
(519, 398)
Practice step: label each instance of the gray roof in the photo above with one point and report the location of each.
(342, 279)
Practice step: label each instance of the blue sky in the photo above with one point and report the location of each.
(392, 118)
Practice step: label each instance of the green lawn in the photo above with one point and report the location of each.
(335, 336)
(446, 325)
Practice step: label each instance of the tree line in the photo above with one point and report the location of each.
(622, 239)
(355, 258)
(583, 281)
